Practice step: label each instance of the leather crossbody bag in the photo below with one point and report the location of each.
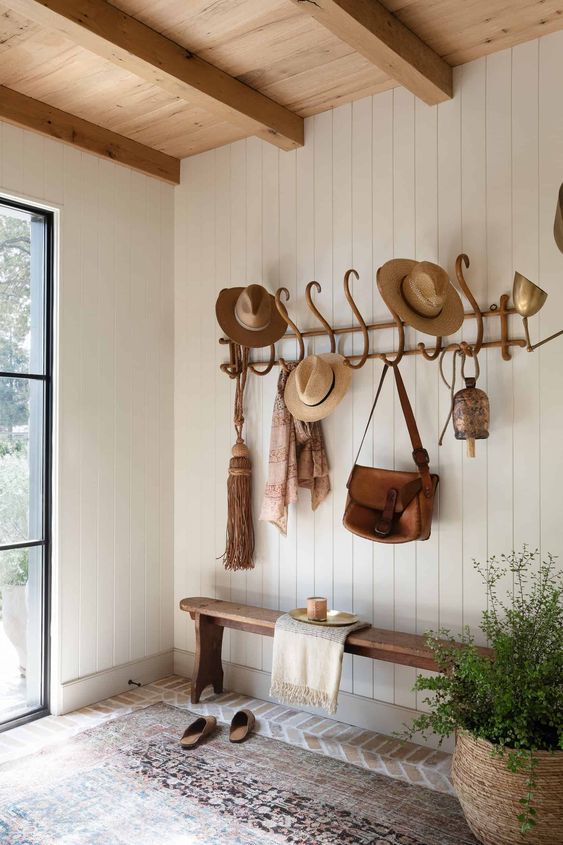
(386, 505)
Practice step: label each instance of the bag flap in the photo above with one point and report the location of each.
(368, 486)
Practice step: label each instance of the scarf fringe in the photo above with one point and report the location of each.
(294, 694)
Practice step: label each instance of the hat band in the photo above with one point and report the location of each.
(411, 306)
(251, 328)
(325, 397)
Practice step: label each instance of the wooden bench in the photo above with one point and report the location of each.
(212, 616)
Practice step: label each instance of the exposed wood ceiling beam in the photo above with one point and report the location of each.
(24, 111)
(368, 27)
(116, 36)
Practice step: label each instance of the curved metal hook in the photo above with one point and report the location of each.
(325, 324)
(269, 365)
(283, 311)
(476, 347)
(401, 350)
(232, 369)
(430, 356)
(360, 320)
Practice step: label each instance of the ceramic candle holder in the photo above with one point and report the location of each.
(316, 609)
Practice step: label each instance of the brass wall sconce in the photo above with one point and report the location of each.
(528, 299)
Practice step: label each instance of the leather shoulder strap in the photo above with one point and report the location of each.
(381, 380)
(419, 453)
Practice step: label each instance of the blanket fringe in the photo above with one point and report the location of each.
(293, 694)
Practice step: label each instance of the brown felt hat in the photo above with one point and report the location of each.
(421, 295)
(249, 316)
(316, 386)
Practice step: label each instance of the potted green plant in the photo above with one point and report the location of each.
(506, 711)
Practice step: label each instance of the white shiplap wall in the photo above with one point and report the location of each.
(114, 382)
(386, 176)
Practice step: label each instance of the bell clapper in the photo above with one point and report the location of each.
(470, 447)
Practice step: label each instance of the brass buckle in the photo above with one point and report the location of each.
(420, 457)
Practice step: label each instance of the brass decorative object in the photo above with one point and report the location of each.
(334, 618)
(471, 414)
(528, 299)
(469, 409)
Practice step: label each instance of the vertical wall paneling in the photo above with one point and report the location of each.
(70, 434)
(269, 537)
(500, 474)
(384, 419)
(106, 501)
(287, 165)
(222, 386)
(450, 526)
(525, 257)
(341, 452)
(427, 385)
(551, 318)
(300, 519)
(113, 546)
(238, 276)
(474, 244)
(123, 414)
(362, 384)
(139, 234)
(165, 506)
(386, 176)
(90, 446)
(253, 399)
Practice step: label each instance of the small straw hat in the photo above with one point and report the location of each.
(421, 295)
(249, 316)
(316, 386)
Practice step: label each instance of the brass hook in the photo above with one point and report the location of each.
(360, 320)
(475, 348)
(283, 311)
(430, 356)
(401, 350)
(325, 324)
(269, 365)
(233, 368)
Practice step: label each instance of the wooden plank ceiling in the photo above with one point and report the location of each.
(279, 48)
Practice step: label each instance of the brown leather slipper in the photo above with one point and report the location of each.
(199, 729)
(242, 725)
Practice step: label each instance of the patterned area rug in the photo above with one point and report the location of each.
(129, 782)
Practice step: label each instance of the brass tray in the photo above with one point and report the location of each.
(334, 618)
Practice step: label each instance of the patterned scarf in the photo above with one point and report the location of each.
(297, 459)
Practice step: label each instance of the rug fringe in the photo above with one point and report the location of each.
(294, 694)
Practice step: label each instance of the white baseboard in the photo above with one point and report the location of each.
(357, 710)
(93, 688)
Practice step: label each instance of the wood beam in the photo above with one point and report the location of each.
(368, 27)
(32, 114)
(126, 42)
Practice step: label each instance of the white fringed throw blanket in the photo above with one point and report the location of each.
(307, 662)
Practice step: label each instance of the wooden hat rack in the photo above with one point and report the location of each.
(500, 312)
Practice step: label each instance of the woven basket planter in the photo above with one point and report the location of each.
(489, 794)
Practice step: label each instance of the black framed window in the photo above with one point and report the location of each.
(26, 292)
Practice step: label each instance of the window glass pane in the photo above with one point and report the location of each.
(21, 460)
(22, 291)
(21, 631)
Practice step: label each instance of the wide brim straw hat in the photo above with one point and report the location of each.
(249, 316)
(421, 295)
(316, 386)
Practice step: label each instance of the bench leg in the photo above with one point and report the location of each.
(208, 668)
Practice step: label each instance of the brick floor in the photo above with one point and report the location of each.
(367, 749)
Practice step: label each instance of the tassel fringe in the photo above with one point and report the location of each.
(293, 694)
(239, 548)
